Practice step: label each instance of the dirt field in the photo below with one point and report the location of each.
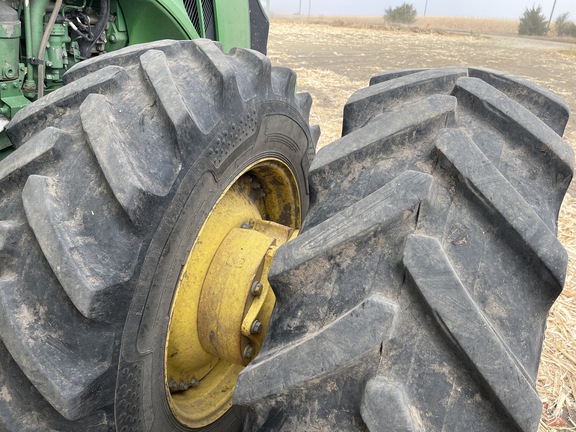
(334, 61)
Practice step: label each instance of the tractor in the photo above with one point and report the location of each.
(177, 257)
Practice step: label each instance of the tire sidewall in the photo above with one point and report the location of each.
(282, 134)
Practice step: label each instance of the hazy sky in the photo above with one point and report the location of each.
(476, 8)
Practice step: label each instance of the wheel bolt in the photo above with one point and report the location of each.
(172, 384)
(182, 386)
(256, 289)
(248, 351)
(248, 225)
(194, 382)
(256, 327)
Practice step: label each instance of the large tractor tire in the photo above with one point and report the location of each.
(138, 219)
(416, 294)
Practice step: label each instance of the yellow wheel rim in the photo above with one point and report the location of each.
(223, 301)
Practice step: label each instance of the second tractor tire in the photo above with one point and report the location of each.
(415, 297)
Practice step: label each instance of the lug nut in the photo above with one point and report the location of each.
(248, 351)
(248, 225)
(256, 327)
(172, 384)
(182, 386)
(194, 382)
(256, 289)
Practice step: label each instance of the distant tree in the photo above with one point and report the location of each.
(533, 22)
(565, 27)
(571, 29)
(404, 14)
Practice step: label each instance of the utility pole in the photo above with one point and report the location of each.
(309, 7)
(300, 8)
(551, 14)
(425, 7)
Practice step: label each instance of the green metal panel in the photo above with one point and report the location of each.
(150, 20)
(232, 23)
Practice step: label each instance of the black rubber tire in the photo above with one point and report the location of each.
(415, 297)
(110, 171)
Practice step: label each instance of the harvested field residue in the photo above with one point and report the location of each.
(333, 61)
(470, 25)
(568, 53)
(431, 23)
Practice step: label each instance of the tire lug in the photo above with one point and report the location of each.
(248, 351)
(256, 289)
(256, 327)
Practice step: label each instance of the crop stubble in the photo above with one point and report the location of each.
(332, 61)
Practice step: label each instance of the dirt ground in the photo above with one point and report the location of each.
(334, 61)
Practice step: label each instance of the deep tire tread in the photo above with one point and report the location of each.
(33, 335)
(43, 149)
(516, 115)
(304, 103)
(471, 332)
(366, 152)
(125, 57)
(548, 160)
(90, 278)
(133, 175)
(259, 66)
(494, 191)
(284, 82)
(186, 126)
(370, 102)
(390, 75)
(301, 351)
(221, 72)
(10, 238)
(359, 220)
(544, 104)
(26, 410)
(473, 268)
(385, 406)
(39, 115)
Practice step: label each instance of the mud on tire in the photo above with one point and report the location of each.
(415, 297)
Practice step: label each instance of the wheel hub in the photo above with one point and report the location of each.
(223, 302)
(236, 301)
